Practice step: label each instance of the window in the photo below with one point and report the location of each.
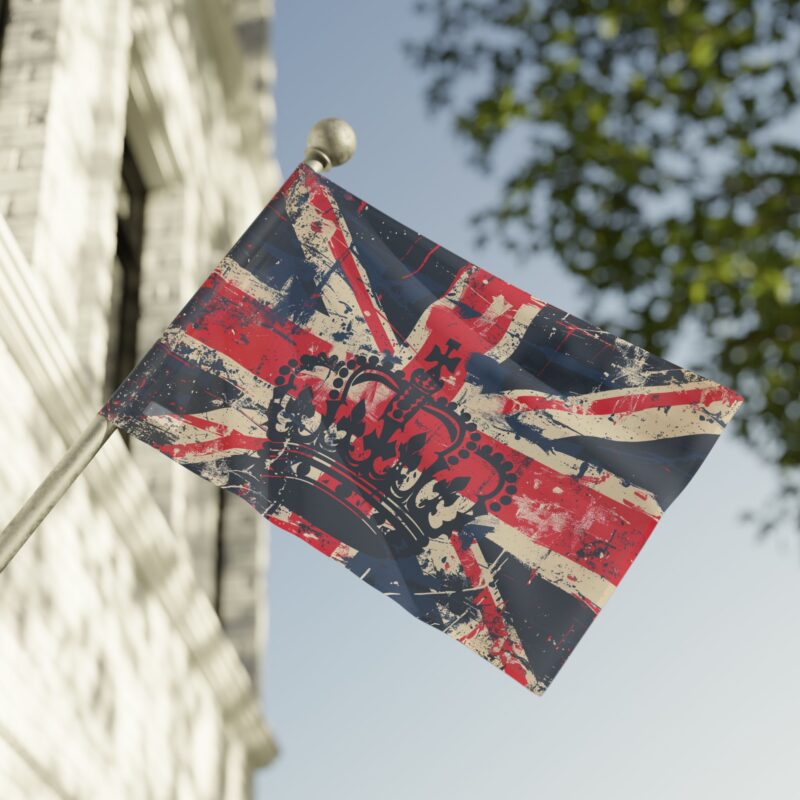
(4, 15)
(125, 309)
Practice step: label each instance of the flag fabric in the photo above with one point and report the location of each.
(491, 463)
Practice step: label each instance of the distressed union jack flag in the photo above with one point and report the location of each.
(486, 460)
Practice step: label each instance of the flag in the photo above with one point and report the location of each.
(487, 461)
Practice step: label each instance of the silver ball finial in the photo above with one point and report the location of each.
(330, 142)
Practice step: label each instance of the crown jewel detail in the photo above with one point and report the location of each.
(410, 464)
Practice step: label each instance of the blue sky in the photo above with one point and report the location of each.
(685, 686)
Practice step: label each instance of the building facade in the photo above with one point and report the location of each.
(135, 146)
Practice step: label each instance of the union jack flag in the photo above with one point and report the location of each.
(489, 462)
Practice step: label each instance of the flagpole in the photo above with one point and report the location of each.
(330, 142)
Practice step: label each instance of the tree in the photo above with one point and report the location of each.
(661, 164)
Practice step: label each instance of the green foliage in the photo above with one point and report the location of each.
(656, 166)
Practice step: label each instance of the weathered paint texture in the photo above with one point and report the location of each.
(489, 462)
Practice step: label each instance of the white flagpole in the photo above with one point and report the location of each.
(330, 143)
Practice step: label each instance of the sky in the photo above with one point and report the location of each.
(685, 685)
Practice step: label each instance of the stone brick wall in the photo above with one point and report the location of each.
(128, 653)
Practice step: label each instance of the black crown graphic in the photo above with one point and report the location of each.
(390, 463)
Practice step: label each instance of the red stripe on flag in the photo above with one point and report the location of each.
(469, 323)
(231, 440)
(502, 647)
(560, 512)
(341, 252)
(422, 263)
(248, 331)
(565, 514)
(625, 404)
